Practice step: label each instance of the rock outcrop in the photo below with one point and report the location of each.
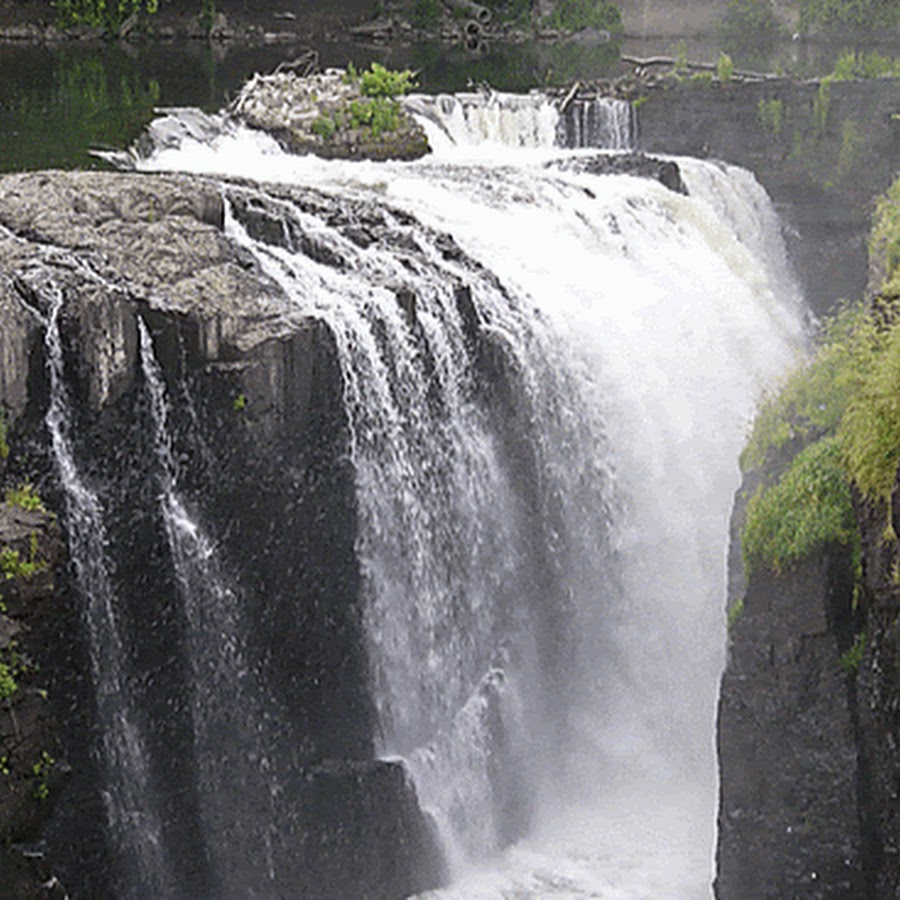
(327, 114)
(790, 822)
(32, 763)
(258, 434)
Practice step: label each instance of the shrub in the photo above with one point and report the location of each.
(25, 497)
(573, 15)
(425, 13)
(853, 655)
(106, 14)
(771, 115)
(870, 429)
(806, 509)
(381, 82)
(849, 13)
(724, 68)
(850, 66)
(813, 398)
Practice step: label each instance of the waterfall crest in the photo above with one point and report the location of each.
(546, 375)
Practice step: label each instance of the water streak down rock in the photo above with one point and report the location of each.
(257, 432)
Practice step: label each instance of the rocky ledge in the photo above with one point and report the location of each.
(256, 412)
(331, 115)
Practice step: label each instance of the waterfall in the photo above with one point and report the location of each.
(234, 731)
(547, 377)
(522, 120)
(130, 795)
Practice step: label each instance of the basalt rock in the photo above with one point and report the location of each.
(259, 435)
(665, 171)
(32, 763)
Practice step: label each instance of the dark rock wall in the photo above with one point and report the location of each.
(821, 163)
(878, 687)
(32, 761)
(790, 822)
(259, 434)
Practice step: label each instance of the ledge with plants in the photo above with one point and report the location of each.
(336, 113)
(834, 427)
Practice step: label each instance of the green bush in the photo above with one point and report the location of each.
(869, 14)
(811, 401)
(378, 81)
(724, 68)
(573, 15)
(25, 497)
(884, 245)
(8, 685)
(771, 115)
(853, 655)
(870, 428)
(425, 13)
(806, 509)
(851, 65)
(106, 14)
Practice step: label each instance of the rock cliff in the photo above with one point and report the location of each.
(258, 433)
(809, 711)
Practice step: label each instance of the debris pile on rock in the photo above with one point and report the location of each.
(328, 114)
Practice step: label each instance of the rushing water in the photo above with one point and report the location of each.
(233, 730)
(543, 522)
(129, 793)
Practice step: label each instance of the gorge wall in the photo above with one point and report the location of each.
(278, 639)
(809, 711)
(822, 152)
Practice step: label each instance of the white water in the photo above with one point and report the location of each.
(233, 730)
(588, 617)
(134, 821)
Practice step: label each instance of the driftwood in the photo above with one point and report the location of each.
(738, 74)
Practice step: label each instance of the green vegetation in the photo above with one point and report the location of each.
(573, 15)
(806, 509)
(377, 109)
(240, 403)
(868, 14)
(8, 684)
(41, 771)
(736, 611)
(381, 82)
(771, 115)
(106, 14)
(840, 417)
(425, 13)
(25, 497)
(724, 68)
(851, 65)
(884, 246)
(4, 434)
(13, 566)
(853, 655)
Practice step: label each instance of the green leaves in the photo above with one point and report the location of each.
(806, 509)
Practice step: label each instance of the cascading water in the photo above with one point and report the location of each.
(545, 418)
(130, 794)
(234, 731)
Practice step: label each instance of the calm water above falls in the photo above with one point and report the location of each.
(549, 569)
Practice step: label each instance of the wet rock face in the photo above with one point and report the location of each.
(32, 763)
(259, 433)
(789, 813)
(878, 690)
(665, 171)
